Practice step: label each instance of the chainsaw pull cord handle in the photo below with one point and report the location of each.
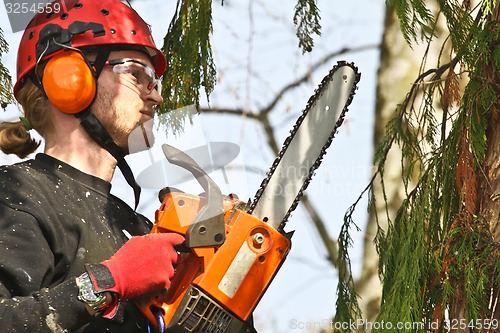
(160, 320)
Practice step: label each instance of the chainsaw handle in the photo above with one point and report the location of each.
(183, 248)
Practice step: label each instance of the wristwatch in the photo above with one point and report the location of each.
(87, 294)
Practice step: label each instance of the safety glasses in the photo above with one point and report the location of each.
(141, 75)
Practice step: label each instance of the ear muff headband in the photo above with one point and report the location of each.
(69, 82)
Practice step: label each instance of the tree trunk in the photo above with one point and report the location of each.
(490, 184)
(489, 197)
(489, 180)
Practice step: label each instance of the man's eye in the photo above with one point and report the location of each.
(135, 74)
(141, 77)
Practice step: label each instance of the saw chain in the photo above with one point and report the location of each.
(330, 82)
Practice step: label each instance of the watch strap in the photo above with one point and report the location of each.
(101, 277)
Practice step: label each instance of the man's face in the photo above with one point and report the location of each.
(126, 96)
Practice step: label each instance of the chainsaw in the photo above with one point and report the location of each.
(233, 250)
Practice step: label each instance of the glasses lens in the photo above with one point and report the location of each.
(139, 74)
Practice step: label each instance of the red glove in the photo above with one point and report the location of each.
(144, 264)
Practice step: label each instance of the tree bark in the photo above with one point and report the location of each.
(489, 179)
(490, 183)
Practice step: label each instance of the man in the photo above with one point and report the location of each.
(87, 75)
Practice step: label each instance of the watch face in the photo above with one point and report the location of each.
(87, 292)
(96, 301)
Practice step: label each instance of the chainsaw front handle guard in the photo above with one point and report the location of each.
(207, 229)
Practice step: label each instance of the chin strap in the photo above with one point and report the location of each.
(100, 135)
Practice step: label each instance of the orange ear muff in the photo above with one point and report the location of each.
(68, 82)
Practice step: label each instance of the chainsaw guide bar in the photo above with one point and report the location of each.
(303, 150)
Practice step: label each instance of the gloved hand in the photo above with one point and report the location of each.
(142, 265)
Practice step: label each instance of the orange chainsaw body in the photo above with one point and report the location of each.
(235, 274)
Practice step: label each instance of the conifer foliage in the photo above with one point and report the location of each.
(189, 54)
(5, 79)
(440, 256)
(191, 67)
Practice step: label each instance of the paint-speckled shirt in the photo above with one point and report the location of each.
(53, 220)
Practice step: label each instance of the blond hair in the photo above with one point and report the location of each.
(15, 138)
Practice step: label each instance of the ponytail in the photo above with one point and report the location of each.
(15, 137)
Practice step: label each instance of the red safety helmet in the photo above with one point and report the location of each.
(85, 24)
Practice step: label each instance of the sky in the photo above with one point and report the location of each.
(256, 54)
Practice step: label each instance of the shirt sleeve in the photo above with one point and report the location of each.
(29, 300)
